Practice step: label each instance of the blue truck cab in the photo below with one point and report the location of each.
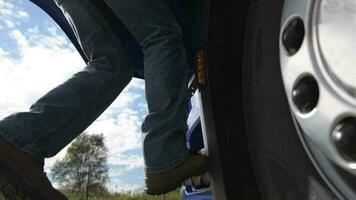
(195, 142)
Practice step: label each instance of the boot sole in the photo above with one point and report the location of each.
(172, 186)
(14, 186)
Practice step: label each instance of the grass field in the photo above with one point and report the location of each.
(170, 196)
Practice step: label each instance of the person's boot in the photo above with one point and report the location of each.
(22, 175)
(163, 182)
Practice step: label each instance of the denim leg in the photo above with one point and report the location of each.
(63, 113)
(155, 28)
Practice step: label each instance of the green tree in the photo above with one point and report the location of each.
(83, 170)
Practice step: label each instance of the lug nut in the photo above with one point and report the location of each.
(293, 35)
(305, 94)
(344, 137)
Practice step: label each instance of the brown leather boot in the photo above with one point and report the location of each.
(160, 183)
(22, 175)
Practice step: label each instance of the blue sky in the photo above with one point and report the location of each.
(36, 56)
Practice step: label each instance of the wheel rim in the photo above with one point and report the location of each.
(316, 47)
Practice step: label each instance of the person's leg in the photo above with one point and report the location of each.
(63, 113)
(155, 28)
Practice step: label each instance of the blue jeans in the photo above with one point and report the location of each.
(66, 111)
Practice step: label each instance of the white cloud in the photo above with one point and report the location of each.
(123, 101)
(122, 134)
(8, 23)
(20, 39)
(22, 14)
(6, 8)
(120, 125)
(128, 162)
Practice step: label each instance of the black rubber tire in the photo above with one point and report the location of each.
(282, 167)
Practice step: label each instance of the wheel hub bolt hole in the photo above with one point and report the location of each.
(305, 94)
(293, 35)
(344, 137)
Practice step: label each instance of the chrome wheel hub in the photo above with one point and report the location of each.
(318, 65)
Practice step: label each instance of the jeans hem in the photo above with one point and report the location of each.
(168, 166)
